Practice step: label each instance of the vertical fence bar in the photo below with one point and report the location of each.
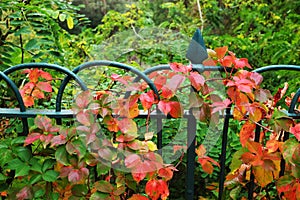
(192, 125)
(223, 152)
(252, 184)
(159, 126)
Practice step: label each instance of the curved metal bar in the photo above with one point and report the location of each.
(195, 67)
(277, 67)
(105, 63)
(48, 66)
(15, 89)
(294, 102)
(66, 71)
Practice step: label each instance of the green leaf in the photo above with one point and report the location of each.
(49, 163)
(284, 180)
(104, 186)
(24, 153)
(296, 156)
(6, 156)
(18, 140)
(235, 192)
(32, 44)
(296, 171)
(61, 155)
(35, 178)
(76, 147)
(2, 177)
(236, 159)
(35, 165)
(99, 196)
(102, 169)
(62, 17)
(15, 163)
(289, 147)
(23, 30)
(40, 193)
(55, 14)
(70, 22)
(50, 175)
(80, 190)
(22, 170)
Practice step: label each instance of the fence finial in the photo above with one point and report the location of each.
(196, 52)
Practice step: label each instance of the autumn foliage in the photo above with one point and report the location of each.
(106, 150)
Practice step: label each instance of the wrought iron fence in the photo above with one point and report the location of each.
(58, 113)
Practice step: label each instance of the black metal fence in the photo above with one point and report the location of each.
(58, 113)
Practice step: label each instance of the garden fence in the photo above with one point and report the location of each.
(58, 113)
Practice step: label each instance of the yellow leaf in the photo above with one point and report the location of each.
(151, 145)
(263, 176)
(70, 22)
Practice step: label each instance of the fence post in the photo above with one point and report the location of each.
(192, 125)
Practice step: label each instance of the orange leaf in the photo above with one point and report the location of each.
(138, 197)
(176, 109)
(28, 101)
(247, 132)
(221, 51)
(45, 86)
(38, 94)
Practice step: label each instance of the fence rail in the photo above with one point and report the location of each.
(58, 113)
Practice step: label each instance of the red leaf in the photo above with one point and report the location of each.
(46, 139)
(25, 193)
(178, 67)
(83, 99)
(157, 189)
(296, 131)
(166, 173)
(132, 160)
(164, 106)
(217, 106)
(58, 140)
(45, 75)
(166, 92)
(241, 63)
(43, 122)
(138, 176)
(117, 77)
(45, 86)
(74, 176)
(256, 77)
(84, 118)
(31, 138)
(160, 81)
(197, 80)
(147, 99)
(280, 93)
(176, 109)
(175, 81)
(128, 127)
